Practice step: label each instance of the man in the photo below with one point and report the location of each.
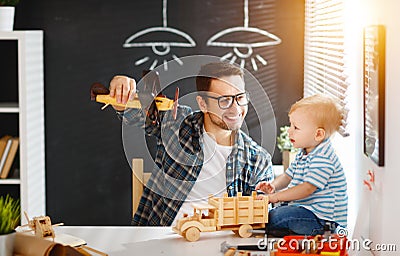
(198, 153)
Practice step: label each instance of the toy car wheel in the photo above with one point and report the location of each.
(245, 230)
(192, 234)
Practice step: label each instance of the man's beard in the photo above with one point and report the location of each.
(216, 120)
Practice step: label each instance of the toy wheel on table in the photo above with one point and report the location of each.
(192, 234)
(245, 230)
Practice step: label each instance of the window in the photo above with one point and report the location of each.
(324, 64)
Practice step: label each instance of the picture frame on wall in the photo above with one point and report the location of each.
(374, 93)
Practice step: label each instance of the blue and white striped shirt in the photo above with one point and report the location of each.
(321, 168)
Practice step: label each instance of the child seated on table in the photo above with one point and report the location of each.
(315, 182)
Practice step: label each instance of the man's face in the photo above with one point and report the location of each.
(232, 117)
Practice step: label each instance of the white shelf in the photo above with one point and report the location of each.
(30, 111)
(9, 107)
(10, 181)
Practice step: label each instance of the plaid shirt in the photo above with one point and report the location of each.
(179, 160)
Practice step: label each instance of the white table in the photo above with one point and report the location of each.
(153, 240)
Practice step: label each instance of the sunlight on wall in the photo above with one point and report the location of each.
(371, 213)
(356, 14)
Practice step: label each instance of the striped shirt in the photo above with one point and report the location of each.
(321, 168)
(179, 160)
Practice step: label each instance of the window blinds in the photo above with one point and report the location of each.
(324, 69)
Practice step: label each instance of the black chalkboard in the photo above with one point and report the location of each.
(88, 178)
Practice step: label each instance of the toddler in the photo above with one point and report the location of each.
(314, 186)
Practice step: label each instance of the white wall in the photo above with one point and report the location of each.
(373, 214)
(388, 178)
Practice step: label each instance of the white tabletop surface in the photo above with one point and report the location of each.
(152, 240)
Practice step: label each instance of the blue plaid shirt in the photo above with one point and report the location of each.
(179, 159)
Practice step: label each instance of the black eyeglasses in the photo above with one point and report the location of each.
(226, 101)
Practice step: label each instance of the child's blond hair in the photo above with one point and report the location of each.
(324, 110)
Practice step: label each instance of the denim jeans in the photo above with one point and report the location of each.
(295, 220)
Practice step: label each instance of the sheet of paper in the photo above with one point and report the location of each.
(66, 239)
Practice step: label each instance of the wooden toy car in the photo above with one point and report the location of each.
(241, 214)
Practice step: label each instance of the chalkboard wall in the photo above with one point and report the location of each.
(88, 178)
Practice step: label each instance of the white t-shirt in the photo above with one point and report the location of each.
(212, 177)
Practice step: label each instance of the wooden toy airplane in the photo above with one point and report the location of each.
(162, 102)
(41, 226)
(147, 97)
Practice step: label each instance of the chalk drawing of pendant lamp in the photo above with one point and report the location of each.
(244, 50)
(176, 38)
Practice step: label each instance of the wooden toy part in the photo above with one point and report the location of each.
(43, 226)
(100, 93)
(230, 252)
(176, 102)
(192, 234)
(245, 231)
(98, 89)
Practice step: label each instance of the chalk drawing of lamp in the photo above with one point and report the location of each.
(243, 50)
(160, 47)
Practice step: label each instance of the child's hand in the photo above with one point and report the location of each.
(273, 198)
(266, 187)
(260, 197)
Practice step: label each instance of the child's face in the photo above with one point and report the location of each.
(303, 131)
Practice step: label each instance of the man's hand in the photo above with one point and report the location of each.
(266, 187)
(122, 88)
